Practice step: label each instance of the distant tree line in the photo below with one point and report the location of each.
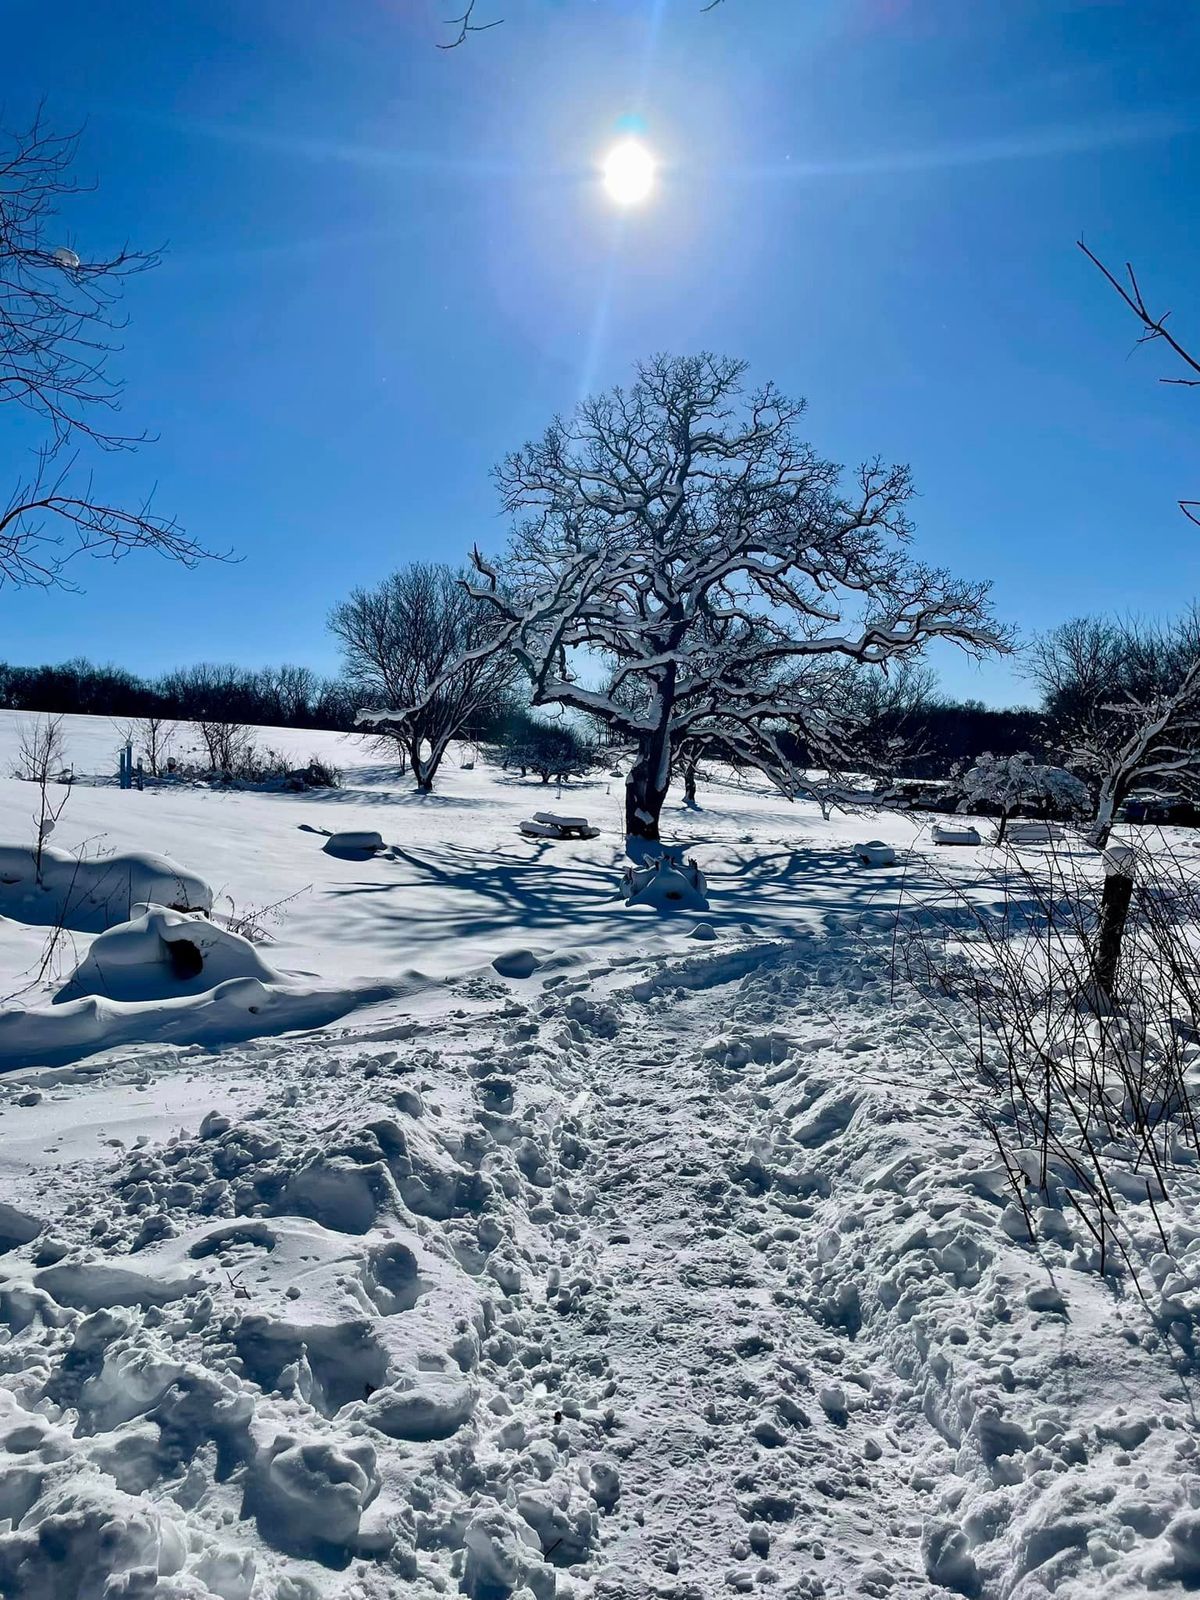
(287, 696)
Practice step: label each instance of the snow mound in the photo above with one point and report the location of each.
(353, 845)
(161, 954)
(90, 896)
(239, 1008)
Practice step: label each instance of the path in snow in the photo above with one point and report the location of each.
(735, 1470)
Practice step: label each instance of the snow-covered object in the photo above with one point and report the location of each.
(1120, 861)
(89, 895)
(65, 257)
(554, 819)
(548, 825)
(1033, 833)
(162, 953)
(666, 882)
(951, 833)
(358, 843)
(874, 853)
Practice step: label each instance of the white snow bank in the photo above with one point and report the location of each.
(161, 954)
(91, 895)
(239, 1008)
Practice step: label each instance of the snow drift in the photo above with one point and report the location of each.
(159, 954)
(90, 896)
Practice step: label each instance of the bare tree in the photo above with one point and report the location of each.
(682, 533)
(58, 321)
(399, 640)
(227, 744)
(1154, 328)
(41, 758)
(1126, 701)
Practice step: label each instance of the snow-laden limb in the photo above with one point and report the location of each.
(683, 533)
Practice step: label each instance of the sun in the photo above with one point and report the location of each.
(628, 172)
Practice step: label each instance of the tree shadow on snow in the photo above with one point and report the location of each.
(459, 891)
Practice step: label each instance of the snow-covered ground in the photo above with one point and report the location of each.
(560, 1248)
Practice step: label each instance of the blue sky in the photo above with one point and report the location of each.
(388, 263)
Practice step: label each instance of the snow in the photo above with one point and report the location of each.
(90, 894)
(521, 1244)
(158, 954)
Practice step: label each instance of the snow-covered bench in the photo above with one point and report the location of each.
(955, 833)
(1033, 833)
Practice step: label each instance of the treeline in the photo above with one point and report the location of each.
(287, 696)
(940, 737)
(937, 736)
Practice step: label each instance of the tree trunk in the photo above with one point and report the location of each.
(1003, 827)
(1106, 809)
(1114, 909)
(689, 785)
(646, 786)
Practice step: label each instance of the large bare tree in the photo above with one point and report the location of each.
(59, 321)
(398, 640)
(682, 533)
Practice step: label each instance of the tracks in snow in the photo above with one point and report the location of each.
(750, 1436)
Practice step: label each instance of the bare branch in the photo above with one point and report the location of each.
(1155, 327)
(58, 320)
(465, 25)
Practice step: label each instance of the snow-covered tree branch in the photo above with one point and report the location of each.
(1008, 783)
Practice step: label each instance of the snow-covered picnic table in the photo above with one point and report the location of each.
(549, 825)
(1033, 833)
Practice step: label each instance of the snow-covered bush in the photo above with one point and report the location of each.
(1008, 783)
(161, 953)
(90, 895)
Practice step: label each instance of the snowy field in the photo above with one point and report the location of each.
(499, 1239)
